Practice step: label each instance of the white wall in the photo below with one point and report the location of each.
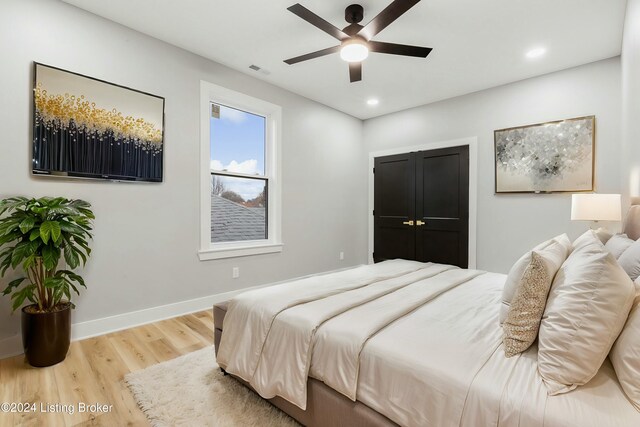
(631, 100)
(508, 225)
(146, 235)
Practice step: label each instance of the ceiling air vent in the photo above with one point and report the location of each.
(259, 69)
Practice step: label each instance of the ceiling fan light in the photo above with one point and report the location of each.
(354, 50)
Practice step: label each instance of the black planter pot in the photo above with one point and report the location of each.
(46, 336)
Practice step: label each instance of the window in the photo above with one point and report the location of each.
(240, 212)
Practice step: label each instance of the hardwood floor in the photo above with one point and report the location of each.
(94, 371)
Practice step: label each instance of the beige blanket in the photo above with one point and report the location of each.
(250, 317)
(365, 298)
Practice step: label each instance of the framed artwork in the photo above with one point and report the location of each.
(88, 128)
(546, 158)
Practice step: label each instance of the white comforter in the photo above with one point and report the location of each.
(419, 343)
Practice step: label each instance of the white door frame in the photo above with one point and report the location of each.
(472, 142)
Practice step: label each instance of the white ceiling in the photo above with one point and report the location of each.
(477, 44)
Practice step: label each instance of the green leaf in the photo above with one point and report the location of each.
(50, 229)
(73, 276)
(10, 237)
(71, 228)
(45, 231)
(29, 262)
(5, 264)
(20, 252)
(50, 257)
(71, 257)
(12, 285)
(7, 205)
(19, 296)
(53, 282)
(35, 234)
(8, 225)
(27, 224)
(55, 231)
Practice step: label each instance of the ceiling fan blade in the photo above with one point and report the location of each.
(386, 17)
(355, 71)
(399, 49)
(312, 55)
(316, 21)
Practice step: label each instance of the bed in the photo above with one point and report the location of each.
(400, 343)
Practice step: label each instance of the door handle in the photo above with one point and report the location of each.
(419, 223)
(408, 222)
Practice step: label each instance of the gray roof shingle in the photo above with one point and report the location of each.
(231, 221)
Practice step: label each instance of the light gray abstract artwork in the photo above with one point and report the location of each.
(547, 157)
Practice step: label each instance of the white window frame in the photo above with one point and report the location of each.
(211, 93)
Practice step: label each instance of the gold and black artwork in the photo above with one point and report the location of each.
(88, 128)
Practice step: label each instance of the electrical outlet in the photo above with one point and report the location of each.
(341, 256)
(236, 272)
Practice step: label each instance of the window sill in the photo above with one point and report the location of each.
(233, 252)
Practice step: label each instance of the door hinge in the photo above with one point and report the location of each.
(374, 212)
(374, 170)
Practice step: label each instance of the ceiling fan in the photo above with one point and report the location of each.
(355, 39)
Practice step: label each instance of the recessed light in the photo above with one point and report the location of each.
(372, 102)
(536, 53)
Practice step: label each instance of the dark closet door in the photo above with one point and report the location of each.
(442, 206)
(421, 206)
(394, 207)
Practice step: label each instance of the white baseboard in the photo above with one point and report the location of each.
(12, 346)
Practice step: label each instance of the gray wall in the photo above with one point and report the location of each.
(630, 100)
(146, 235)
(508, 225)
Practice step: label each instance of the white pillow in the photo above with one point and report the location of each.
(601, 234)
(587, 307)
(564, 240)
(625, 354)
(517, 271)
(630, 260)
(618, 244)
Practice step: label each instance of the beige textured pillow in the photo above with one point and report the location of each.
(625, 354)
(518, 269)
(523, 319)
(587, 307)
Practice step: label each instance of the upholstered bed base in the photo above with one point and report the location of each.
(325, 406)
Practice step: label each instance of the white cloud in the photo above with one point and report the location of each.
(217, 165)
(248, 167)
(233, 115)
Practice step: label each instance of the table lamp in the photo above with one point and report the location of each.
(596, 207)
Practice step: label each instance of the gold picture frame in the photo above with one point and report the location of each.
(550, 157)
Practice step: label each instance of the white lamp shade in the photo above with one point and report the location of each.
(596, 207)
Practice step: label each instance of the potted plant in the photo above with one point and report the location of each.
(35, 234)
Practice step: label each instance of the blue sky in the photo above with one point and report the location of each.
(237, 145)
(237, 141)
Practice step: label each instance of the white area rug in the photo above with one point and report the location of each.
(191, 391)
